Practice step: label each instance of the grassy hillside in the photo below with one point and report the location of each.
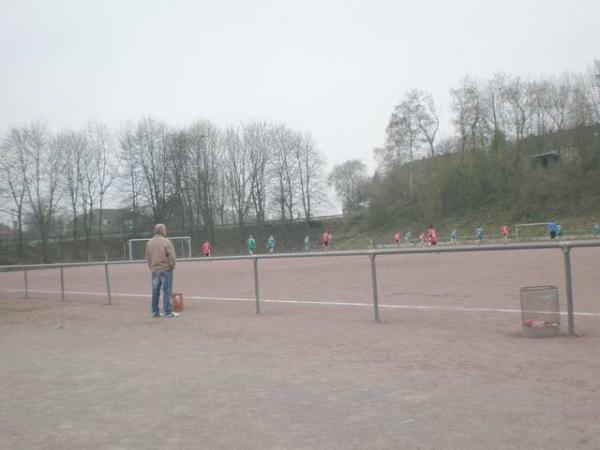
(359, 234)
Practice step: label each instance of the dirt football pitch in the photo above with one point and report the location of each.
(448, 368)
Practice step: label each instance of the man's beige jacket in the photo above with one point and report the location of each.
(160, 254)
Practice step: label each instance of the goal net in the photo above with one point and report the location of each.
(531, 231)
(182, 245)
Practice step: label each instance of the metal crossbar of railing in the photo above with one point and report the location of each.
(564, 246)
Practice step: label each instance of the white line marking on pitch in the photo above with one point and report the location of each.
(305, 302)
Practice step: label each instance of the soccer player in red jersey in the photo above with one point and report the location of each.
(505, 230)
(432, 235)
(325, 238)
(206, 248)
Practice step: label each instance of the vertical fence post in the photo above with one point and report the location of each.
(26, 283)
(374, 287)
(62, 283)
(107, 283)
(189, 247)
(569, 285)
(256, 286)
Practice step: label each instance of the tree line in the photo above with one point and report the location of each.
(491, 157)
(190, 178)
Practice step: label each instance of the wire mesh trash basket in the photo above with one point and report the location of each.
(540, 311)
(177, 300)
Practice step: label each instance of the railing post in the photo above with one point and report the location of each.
(62, 283)
(256, 286)
(107, 284)
(569, 286)
(26, 283)
(374, 287)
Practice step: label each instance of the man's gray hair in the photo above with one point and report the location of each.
(160, 228)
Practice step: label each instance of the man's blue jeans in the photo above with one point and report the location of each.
(164, 279)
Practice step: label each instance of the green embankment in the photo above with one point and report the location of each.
(358, 235)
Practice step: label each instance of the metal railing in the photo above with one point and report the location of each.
(564, 246)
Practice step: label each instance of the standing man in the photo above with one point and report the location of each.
(161, 258)
(397, 237)
(251, 244)
(596, 230)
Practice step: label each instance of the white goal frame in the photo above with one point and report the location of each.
(522, 225)
(183, 238)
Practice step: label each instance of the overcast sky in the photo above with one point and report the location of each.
(334, 68)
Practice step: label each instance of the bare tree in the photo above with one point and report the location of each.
(520, 98)
(495, 109)
(220, 187)
(559, 97)
(427, 118)
(309, 163)
(390, 156)
(349, 181)
(468, 114)
(539, 90)
(132, 170)
(152, 147)
(73, 149)
(285, 143)
(42, 176)
(447, 145)
(178, 164)
(237, 173)
(403, 133)
(88, 194)
(195, 179)
(194, 176)
(258, 139)
(206, 169)
(589, 95)
(101, 145)
(12, 166)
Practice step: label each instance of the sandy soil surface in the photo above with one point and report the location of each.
(461, 280)
(83, 374)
